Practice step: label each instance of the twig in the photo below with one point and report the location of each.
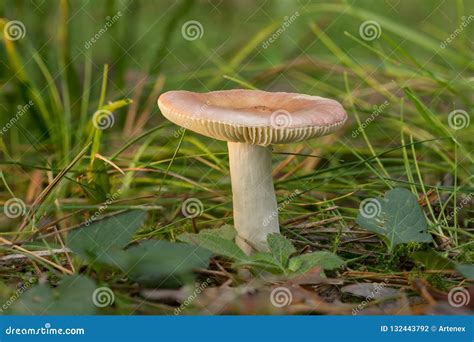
(14, 257)
(21, 249)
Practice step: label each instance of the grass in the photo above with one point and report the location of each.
(64, 169)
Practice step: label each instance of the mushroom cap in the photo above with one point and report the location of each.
(253, 116)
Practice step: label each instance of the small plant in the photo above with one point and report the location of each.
(280, 259)
(397, 218)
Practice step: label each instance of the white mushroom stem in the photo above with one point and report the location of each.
(254, 201)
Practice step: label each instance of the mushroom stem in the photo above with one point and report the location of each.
(254, 201)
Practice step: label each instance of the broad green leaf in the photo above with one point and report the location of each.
(97, 240)
(264, 261)
(281, 248)
(73, 296)
(466, 270)
(326, 260)
(226, 232)
(432, 260)
(152, 263)
(397, 217)
(162, 263)
(263, 258)
(295, 264)
(217, 241)
(158, 263)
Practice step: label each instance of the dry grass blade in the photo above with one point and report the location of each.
(35, 256)
(50, 187)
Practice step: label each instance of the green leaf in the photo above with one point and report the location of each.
(397, 217)
(226, 232)
(466, 270)
(295, 264)
(432, 260)
(73, 296)
(162, 263)
(263, 261)
(263, 258)
(217, 241)
(151, 263)
(101, 239)
(326, 260)
(281, 248)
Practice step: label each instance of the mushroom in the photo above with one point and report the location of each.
(250, 121)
